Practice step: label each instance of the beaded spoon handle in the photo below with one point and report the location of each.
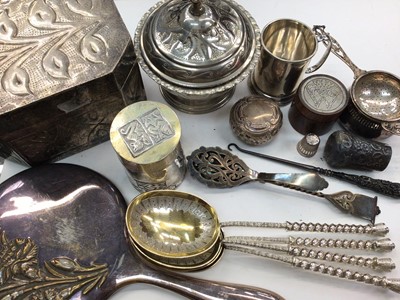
(383, 264)
(379, 229)
(381, 245)
(392, 284)
(375, 263)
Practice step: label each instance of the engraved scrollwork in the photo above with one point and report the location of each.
(146, 131)
(216, 167)
(48, 35)
(357, 152)
(330, 100)
(60, 278)
(142, 186)
(198, 38)
(343, 199)
(392, 127)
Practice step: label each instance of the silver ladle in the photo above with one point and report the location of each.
(219, 168)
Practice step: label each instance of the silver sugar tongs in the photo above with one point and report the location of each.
(219, 168)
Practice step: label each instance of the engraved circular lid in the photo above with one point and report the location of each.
(172, 224)
(197, 44)
(255, 119)
(145, 132)
(323, 95)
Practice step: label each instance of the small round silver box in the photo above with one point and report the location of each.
(255, 119)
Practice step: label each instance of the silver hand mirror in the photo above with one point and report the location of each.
(63, 236)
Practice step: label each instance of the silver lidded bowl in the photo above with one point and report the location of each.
(197, 51)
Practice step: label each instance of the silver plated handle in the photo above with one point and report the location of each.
(325, 38)
(382, 264)
(379, 229)
(194, 288)
(392, 284)
(380, 245)
(336, 49)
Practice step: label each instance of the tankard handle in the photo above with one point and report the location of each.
(321, 36)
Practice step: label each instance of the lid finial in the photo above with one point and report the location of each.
(197, 8)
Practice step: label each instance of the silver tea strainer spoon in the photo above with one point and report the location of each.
(220, 168)
(180, 231)
(375, 93)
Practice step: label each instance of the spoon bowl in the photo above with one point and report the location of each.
(172, 224)
(63, 229)
(162, 239)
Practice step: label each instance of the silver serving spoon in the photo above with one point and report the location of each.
(177, 230)
(219, 168)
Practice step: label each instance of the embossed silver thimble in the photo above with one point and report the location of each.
(308, 145)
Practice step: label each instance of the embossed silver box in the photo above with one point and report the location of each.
(66, 69)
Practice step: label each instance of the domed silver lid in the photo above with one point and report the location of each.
(197, 47)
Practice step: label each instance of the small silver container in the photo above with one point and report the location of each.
(318, 103)
(255, 119)
(197, 51)
(146, 136)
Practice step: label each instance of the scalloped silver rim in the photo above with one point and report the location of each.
(191, 91)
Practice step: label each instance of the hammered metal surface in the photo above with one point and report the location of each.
(347, 150)
(49, 46)
(66, 69)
